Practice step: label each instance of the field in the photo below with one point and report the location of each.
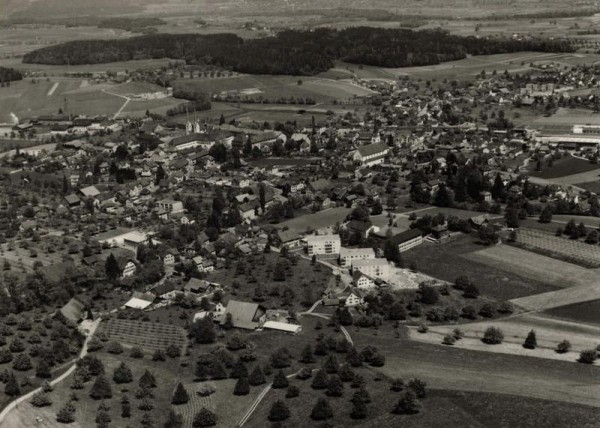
(451, 259)
(316, 221)
(26, 99)
(562, 121)
(534, 266)
(564, 167)
(150, 336)
(562, 248)
(592, 186)
(275, 87)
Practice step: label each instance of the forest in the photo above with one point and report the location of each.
(9, 75)
(293, 52)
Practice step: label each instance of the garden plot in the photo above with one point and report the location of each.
(562, 248)
(150, 336)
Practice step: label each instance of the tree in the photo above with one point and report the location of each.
(280, 358)
(180, 396)
(12, 388)
(122, 374)
(66, 414)
(418, 387)
(22, 363)
(238, 370)
(530, 341)
(335, 386)
(292, 391)
(279, 411)
(111, 268)
(125, 407)
(359, 409)
(203, 330)
(563, 347)
(407, 404)
(147, 380)
(242, 387)
(257, 377)
(173, 351)
(280, 380)
(588, 356)
(41, 399)
(442, 197)
(307, 356)
(322, 410)
(498, 188)
(331, 365)
(546, 214)
(429, 295)
(101, 388)
(471, 291)
(204, 418)
(493, 336)
(174, 420)
(320, 380)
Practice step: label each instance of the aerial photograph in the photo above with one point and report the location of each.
(299, 213)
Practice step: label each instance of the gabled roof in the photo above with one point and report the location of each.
(406, 236)
(244, 314)
(372, 149)
(73, 310)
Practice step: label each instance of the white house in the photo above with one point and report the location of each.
(323, 244)
(170, 206)
(348, 255)
(375, 268)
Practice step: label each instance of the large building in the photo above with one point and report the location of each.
(349, 255)
(371, 154)
(375, 268)
(323, 244)
(170, 206)
(408, 239)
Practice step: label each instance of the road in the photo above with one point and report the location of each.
(84, 350)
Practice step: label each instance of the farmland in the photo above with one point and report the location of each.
(534, 266)
(561, 248)
(585, 312)
(451, 259)
(150, 336)
(275, 87)
(565, 167)
(316, 221)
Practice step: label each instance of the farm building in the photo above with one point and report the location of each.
(140, 300)
(283, 326)
(73, 310)
(244, 314)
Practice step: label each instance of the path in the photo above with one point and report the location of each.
(83, 353)
(127, 99)
(52, 89)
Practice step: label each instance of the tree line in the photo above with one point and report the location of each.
(293, 52)
(10, 74)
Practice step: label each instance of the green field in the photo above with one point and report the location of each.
(586, 312)
(564, 167)
(451, 259)
(318, 220)
(275, 87)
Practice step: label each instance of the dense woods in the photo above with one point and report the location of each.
(292, 52)
(9, 75)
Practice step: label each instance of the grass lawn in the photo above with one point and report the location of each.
(592, 186)
(449, 260)
(586, 312)
(318, 220)
(567, 165)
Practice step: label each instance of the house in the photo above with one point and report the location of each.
(479, 221)
(244, 314)
(355, 297)
(165, 291)
(72, 200)
(371, 154)
(89, 192)
(362, 281)
(322, 244)
(408, 239)
(203, 264)
(73, 310)
(289, 239)
(348, 255)
(361, 228)
(374, 268)
(197, 286)
(140, 300)
(170, 206)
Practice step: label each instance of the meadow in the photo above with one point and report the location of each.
(565, 167)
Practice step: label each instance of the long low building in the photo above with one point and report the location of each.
(408, 239)
(375, 268)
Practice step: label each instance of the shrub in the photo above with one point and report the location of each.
(242, 387)
(22, 363)
(101, 388)
(122, 374)
(304, 373)
(280, 380)
(279, 411)
(458, 334)
(397, 385)
(493, 336)
(588, 356)
(469, 312)
(419, 387)
(506, 308)
(206, 389)
(322, 410)
(114, 347)
(257, 377)
(407, 404)
(292, 391)
(335, 386)
(41, 399)
(487, 310)
(563, 347)
(423, 328)
(320, 380)
(136, 352)
(173, 351)
(449, 340)
(159, 355)
(180, 396)
(359, 409)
